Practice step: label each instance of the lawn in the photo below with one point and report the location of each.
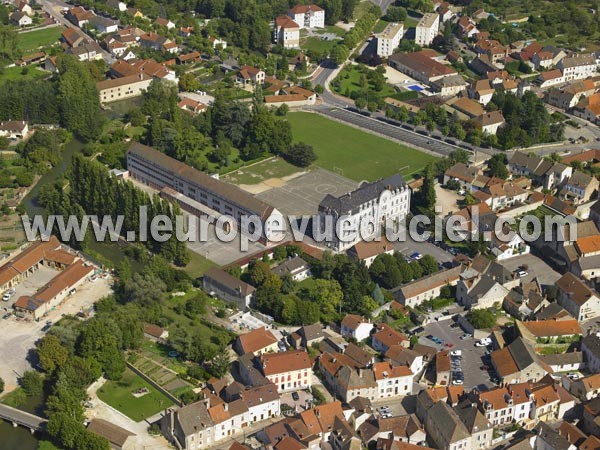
(259, 172)
(198, 265)
(118, 394)
(17, 73)
(33, 40)
(331, 29)
(360, 155)
(380, 25)
(318, 45)
(350, 81)
(361, 9)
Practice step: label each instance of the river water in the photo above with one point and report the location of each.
(20, 438)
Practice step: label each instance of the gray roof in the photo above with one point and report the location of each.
(429, 282)
(482, 287)
(595, 207)
(589, 262)
(350, 378)
(550, 311)
(472, 418)
(228, 192)
(194, 417)
(290, 266)
(530, 162)
(357, 354)
(366, 192)
(579, 179)
(543, 168)
(115, 434)
(563, 358)
(521, 353)
(310, 332)
(553, 439)
(448, 423)
(578, 60)
(226, 279)
(592, 344)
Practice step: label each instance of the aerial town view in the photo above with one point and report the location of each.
(299, 224)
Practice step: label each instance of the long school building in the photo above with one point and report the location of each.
(160, 171)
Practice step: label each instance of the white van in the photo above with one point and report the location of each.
(483, 342)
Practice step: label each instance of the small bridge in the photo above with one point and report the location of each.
(18, 417)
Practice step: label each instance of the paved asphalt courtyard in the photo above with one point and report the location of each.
(472, 357)
(302, 195)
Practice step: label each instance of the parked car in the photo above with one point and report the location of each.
(522, 273)
(456, 353)
(483, 342)
(416, 256)
(466, 336)
(295, 396)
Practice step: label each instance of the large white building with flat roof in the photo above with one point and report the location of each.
(427, 29)
(389, 39)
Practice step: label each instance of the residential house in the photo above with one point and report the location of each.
(490, 122)
(79, 16)
(427, 29)
(191, 106)
(480, 291)
(421, 66)
(504, 249)
(257, 341)
(289, 371)
(389, 39)
(402, 356)
(155, 333)
(229, 288)
(468, 107)
(579, 187)
(217, 43)
(465, 175)
(385, 337)
(564, 362)
(104, 24)
(577, 66)
(87, 51)
(367, 251)
(308, 16)
(576, 297)
(445, 12)
(14, 129)
(445, 430)
(467, 27)
(162, 22)
(24, 7)
(206, 422)
(113, 90)
(479, 427)
(586, 388)
(392, 381)
(71, 37)
(591, 416)
(345, 380)
(356, 327)
(524, 301)
(590, 347)
(292, 96)
(286, 32)
(482, 91)
(295, 267)
(548, 438)
(588, 108)
(517, 363)
(427, 288)
(550, 78)
(405, 429)
(250, 75)
(505, 195)
(117, 5)
(450, 395)
(20, 19)
(306, 336)
(450, 86)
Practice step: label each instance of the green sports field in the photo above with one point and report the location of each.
(359, 155)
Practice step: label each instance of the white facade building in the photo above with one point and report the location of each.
(308, 16)
(360, 214)
(389, 39)
(427, 29)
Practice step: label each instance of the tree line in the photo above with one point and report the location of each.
(93, 192)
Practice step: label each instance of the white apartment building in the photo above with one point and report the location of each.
(577, 67)
(116, 89)
(289, 371)
(287, 32)
(360, 214)
(389, 39)
(427, 29)
(308, 16)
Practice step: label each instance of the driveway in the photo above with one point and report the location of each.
(472, 357)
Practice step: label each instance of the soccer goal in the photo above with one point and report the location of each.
(338, 170)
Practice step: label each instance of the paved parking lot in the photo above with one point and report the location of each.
(472, 357)
(536, 267)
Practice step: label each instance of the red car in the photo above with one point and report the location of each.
(449, 345)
